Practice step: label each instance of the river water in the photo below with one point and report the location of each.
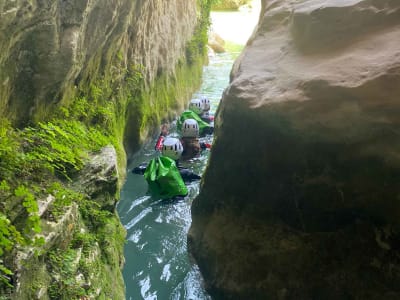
(157, 264)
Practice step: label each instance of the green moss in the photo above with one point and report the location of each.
(233, 47)
(164, 99)
(108, 104)
(229, 5)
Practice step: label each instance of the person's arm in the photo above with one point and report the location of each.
(140, 169)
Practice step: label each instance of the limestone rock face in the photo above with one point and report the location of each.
(99, 178)
(101, 261)
(301, 198)
(48, 47)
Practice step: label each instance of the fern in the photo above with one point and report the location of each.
(31, 206)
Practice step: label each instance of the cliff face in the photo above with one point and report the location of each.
(50, 48)
(82, 75)
(81, 256)
(301, 196)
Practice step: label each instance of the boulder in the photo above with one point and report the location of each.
(216, 43)
(99, 178)
(306, 159)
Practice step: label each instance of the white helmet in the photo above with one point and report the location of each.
(195, 106)
(172, 148)
(205, 104)
(190, 128)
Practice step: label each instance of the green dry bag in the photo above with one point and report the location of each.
(164, 179)
(203, 126)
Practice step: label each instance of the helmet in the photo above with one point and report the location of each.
(205, 104)
(195, 106)
(190, 128)
(172, 148)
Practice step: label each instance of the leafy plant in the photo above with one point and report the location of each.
(66, 285)
(30, 204)
(8, 237)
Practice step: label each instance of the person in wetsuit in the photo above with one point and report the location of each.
(190, 139)
(172, 148)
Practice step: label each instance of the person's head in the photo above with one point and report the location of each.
(205, 104)
(172, 148)
(190, 128)
(164, 129)
(195, 106)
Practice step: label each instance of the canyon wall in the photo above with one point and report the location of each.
(111, 70)
(51, 48)
(301, 196)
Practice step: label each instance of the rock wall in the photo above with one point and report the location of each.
(78, 257)
(115, 66)
(300, 199)
(50, 48)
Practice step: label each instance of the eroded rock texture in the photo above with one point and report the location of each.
(48, 47)
(301, 198)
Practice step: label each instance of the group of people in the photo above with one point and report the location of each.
(165, 176)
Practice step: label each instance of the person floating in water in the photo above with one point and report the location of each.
(164, 132)
(206, 106)
(190, 140)
(194, 112)
(173, 149)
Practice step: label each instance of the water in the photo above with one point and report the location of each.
(157, 264)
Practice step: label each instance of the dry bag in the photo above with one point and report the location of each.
(164, 179)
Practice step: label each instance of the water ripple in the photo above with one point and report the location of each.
(138, 202)
(145, 289)
(137, 219)
(135, 236)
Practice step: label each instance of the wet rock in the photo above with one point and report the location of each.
(306, 159)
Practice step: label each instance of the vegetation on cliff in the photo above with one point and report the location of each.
(229, 4)
(44, 160)
(41, 166)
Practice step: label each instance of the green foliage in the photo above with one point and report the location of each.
(10, 157)
(135, 79)
(31, 206)
(64, 197)
(94, 216)
(197, 47)
(84, 240)
(60, 146)
(42, 159)
(64, 266)
(229, 4)
(5, 275)
(8, 236)
(29, 159)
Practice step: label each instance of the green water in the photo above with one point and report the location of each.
(157, 264)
